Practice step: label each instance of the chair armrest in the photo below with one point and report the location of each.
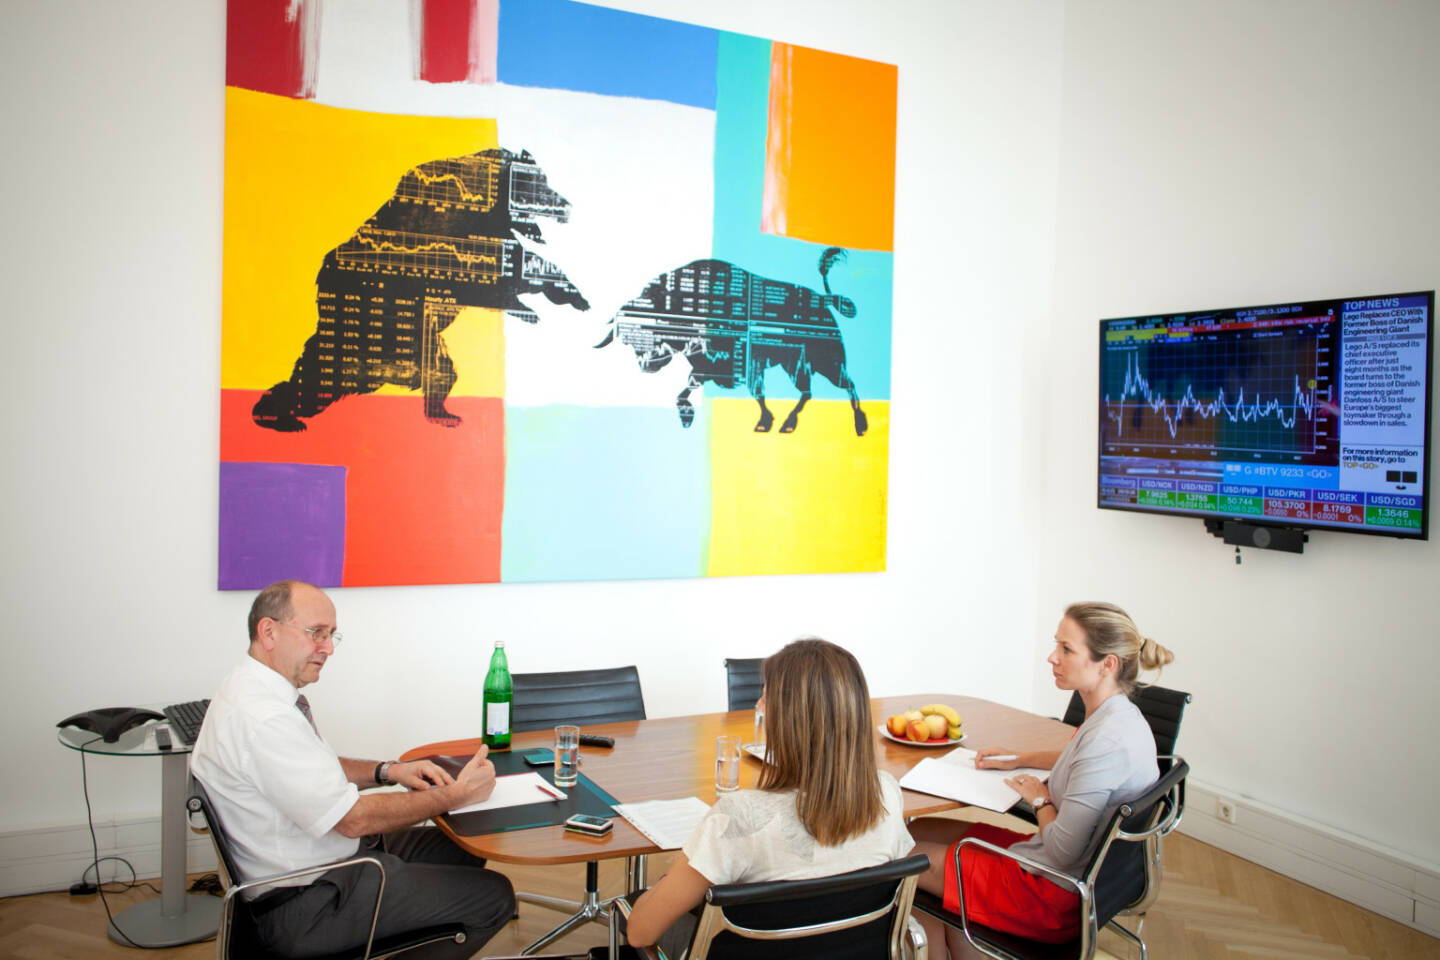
(915, 939)
(1178, 807)
(237, 888)
(1171, 820)
(1058, 876)
(620, 907)
(227, 909)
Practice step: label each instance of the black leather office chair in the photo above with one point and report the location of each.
(743, 685)
(543, 700)
(581, 697)
(862, 915)
(237, 937)
(1121, 875)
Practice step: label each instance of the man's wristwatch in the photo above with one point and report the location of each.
(382, 773)
(1039, 802)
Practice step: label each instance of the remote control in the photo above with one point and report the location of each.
(596, 740)
(162, 738)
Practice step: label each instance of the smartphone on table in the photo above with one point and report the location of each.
(592, 826)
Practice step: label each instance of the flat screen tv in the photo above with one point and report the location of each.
(1306, 415)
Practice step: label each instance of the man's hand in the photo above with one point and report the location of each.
(419, 774)
(476, 780)
(391, 810)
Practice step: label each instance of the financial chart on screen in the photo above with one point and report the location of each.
(1311, 414)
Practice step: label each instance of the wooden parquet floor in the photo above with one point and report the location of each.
(1213, 906)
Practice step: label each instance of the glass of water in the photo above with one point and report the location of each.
(759, 742)
(567, 755)
(727, 764)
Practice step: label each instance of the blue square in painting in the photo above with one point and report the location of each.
(574, 46)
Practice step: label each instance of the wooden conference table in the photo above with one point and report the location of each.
(675, 757)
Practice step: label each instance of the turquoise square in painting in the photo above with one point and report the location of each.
(605, 493)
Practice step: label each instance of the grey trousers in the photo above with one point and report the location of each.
(428, 880)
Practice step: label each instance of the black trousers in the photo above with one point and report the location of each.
(428, 880)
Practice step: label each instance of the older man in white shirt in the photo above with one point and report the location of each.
(289, 801)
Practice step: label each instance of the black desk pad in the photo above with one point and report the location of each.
(584, 797)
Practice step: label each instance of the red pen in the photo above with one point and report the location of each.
(552, 794)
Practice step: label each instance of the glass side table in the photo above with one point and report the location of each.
(177, 916)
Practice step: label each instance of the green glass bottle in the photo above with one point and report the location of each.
(498, 694)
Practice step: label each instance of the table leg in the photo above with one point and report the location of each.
(590, 910)
(177, 917)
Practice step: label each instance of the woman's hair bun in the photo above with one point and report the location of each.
(1153, 656)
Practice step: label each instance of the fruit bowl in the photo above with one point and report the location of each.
(935, 724)
(918, 743)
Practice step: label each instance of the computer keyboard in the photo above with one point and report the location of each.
(185, 718)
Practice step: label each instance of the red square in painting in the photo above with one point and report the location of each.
(423, 502)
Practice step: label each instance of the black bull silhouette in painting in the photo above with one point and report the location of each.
(732, 325)
(447, 239)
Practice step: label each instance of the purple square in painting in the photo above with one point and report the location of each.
(281, 521)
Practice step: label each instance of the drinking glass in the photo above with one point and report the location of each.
(759, 742)
(567, 755)
(727, 764)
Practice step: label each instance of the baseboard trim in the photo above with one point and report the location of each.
(1388, 882)
(52, 857)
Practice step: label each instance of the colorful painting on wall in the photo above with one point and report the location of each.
(523, 290)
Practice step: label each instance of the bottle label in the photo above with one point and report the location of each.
(497, 719)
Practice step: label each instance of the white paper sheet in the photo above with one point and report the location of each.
(954, 777)
(515, 790)
(666, 823)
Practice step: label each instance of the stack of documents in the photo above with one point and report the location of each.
(954, 777)
(665, 823)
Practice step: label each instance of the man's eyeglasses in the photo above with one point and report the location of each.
(319, 635)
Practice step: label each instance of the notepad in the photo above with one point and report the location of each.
(954, 777)
(516, 790)
(665, 823)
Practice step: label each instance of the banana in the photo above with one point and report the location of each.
(953, 732)
(952, 718)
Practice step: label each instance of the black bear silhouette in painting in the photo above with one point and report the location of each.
(449, 238)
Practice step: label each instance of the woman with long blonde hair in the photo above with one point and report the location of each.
(1098, 653)
(823, 806)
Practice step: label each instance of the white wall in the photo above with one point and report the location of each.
(112, 180)
(1235, 153)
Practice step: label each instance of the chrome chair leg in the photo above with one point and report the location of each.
(1132, 937)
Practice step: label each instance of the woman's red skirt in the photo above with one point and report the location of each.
(1003, 896)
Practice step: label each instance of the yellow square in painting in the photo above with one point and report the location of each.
(812, 501)
(300, 178)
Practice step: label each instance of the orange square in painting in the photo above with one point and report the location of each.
(423, 501)
(830, 149)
